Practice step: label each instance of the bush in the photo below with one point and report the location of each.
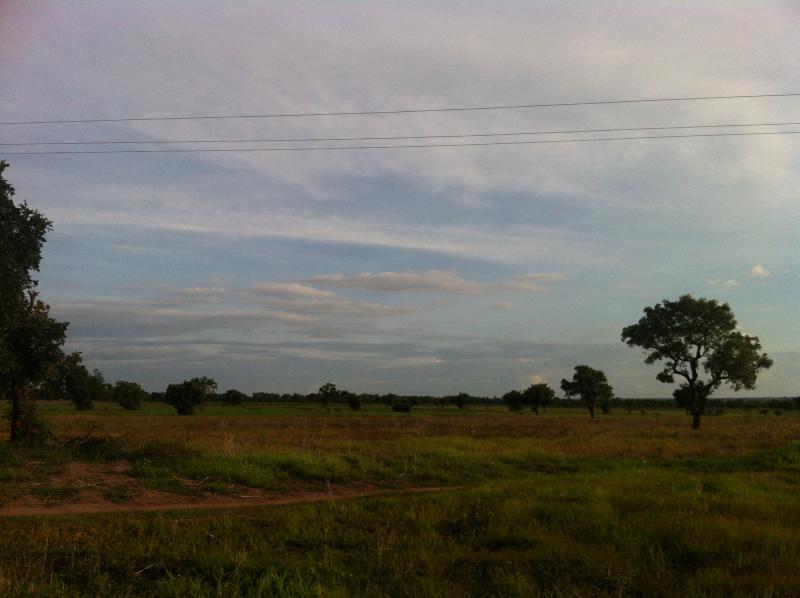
(401, 405)
(129, 395)
(189, 394)
(233, 397)
(514, 400)
(352, 401)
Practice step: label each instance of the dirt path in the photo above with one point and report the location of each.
(156, 501)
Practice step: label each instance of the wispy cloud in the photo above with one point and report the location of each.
(433, 281)
(759, 271)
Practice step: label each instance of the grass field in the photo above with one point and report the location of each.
(547, 505)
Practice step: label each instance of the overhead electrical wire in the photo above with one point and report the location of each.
(404, 111)
(409, 146)
(399, 137)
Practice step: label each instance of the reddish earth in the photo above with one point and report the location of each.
(81, 488)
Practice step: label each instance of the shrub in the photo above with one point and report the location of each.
(401, 405)
(189, 394)
(129, 395)
(233, 397)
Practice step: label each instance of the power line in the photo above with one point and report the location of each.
(377, 147)
(401, 137)
(406, 111)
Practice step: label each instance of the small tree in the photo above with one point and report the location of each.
(233, 397)
(328, 393)
(694, 335)
(461, 400)
(514, 400)
(189, 394)
(129, 395)
(30, 340)
(79, 385)
(538, 395)
(351, 399)
(590, 385)
(401, 405)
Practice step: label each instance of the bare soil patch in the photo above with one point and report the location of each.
(83, 488)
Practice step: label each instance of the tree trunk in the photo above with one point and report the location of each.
(14, 416)
(536, 409)
(695, 420)
(591, 411)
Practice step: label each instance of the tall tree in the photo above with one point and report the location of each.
(30, 340)
(691, 336)
(590, 385)
(539, 395)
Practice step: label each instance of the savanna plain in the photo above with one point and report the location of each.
(297, 500)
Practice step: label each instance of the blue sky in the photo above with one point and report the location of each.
(413, 270)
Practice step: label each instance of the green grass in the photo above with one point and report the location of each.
(555, 505)
(652, 532)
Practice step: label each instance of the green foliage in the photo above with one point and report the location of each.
(75, 383)
(694, 335)
(30, 340)
(401, 405)
(352, 400)
(538, 395)
(129, 394)
(514, 400)
(461, 400)
(591, 386)
(328, 393)
(233, 397)
(189, 394)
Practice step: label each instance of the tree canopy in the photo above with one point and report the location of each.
(591, 386)
(30, 340)
(691, 336)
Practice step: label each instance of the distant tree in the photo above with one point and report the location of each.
(189, 394)
(233, 397)
(352, 400)
(328, 393)
(538, 395)
(81, 386)
(30, 340)
(590, 386)
(129, 395)
(156, 396)
(693, 335)
(514, 400)
(401, 405)
(461, 400)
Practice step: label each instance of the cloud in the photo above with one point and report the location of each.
(426, 282)
(759, 271)
(292, 289)
(723, 284)
(504, 306)
(432, 281)
(340, 306)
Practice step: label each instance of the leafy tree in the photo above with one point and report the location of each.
(514, 400)
(590, 385)
(30, 340)
(189, 394)
(328, 393)
(79, 385)
(691, 336)
(461, 400)
(129, 395)
(401, 405)
(233, 397)
(538, 395)
(352, 400)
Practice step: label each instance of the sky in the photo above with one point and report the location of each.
(419, 270)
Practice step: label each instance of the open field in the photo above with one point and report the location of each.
(554, 504)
